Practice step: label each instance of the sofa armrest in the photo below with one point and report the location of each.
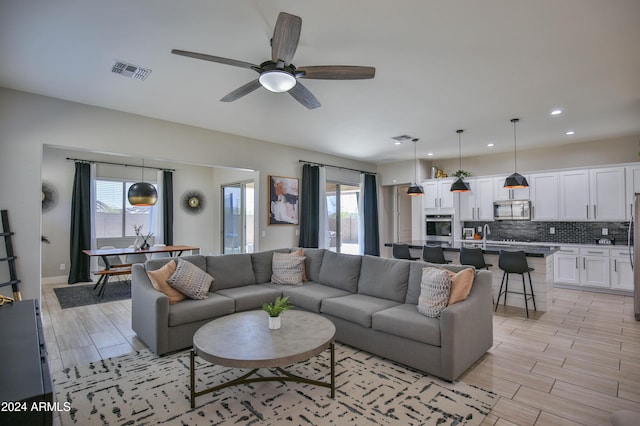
(466, 328)
(149, 311)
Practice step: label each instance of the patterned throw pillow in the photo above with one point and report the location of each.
(190, 280)
(159, 279)
(287, 268)
(434, 292)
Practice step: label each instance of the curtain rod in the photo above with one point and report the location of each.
(121, 164)
(336, 167)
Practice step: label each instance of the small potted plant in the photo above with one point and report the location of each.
(461, 174)
(275, 309)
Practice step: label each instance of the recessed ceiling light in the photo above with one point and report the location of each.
(430, 154)
(556, 112)
(490, 145)
(397, 143)
(570, 132)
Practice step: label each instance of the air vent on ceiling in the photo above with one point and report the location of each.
(129, 70)
(402, 138)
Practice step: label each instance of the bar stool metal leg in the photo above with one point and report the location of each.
(526, 299)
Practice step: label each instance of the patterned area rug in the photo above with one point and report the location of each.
(84, 294)
(143, 389)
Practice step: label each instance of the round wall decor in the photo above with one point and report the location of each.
(192, 201)
(49, 196)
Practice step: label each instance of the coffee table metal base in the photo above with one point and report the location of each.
(245, 379)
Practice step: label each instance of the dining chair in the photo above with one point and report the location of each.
(160, 254)
(135, 257)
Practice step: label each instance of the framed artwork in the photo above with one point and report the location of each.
(467, 233)
(283, 200)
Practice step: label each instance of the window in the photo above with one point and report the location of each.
(238, 218)
(115, 216)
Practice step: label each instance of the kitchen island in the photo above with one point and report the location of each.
(539, 257)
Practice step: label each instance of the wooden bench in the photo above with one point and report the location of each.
(124, 269)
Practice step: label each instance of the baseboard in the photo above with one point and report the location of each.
(54, 280)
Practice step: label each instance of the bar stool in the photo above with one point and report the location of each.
(515, 262)
(433, 254)
(473, 257)
(401, 251)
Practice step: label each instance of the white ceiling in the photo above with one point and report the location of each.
(440, 65)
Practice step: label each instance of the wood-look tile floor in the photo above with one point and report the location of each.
(572, 365)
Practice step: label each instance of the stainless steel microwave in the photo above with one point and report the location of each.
(512, 210)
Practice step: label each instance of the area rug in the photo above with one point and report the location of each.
(81, 295)
(143, 389)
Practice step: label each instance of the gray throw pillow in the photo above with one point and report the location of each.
(434, 292)
(190, 280)
(287, 268)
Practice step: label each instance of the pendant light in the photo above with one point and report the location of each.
(516, 180)
(415, 189)
(142, 193)
(460, 185)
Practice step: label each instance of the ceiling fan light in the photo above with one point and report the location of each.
(515, 181)
(142, 194)
(415, 189)
(460, 186)
(277, 81)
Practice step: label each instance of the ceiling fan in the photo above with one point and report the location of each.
(279, 74)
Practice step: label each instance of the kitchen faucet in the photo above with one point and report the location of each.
(485, 231)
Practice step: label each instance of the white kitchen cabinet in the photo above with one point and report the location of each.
(544, 196)
(438, 197)
(632, 177)
(478, 203)
(573, 194)
(566, 266)
(607, 194)
(621, 271)
(594, 265)
(501, 193)
(594, 195)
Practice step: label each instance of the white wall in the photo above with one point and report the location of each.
(29, 122)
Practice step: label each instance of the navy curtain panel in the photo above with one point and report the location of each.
(167, 207)
(309, 206)
(370, 200)
(79, 270)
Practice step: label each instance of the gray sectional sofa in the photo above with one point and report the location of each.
(372, 301)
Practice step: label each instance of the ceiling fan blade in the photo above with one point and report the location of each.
(241, 91)
(218, 59)
(336, 72)
(304, 96)
(285, 37)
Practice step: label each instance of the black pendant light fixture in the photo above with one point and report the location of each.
(142, 193)
(460, 185)
(415, 189)
(516, 180)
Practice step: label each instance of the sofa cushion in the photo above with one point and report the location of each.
(405, 321)
(415, 279)
(357, 308)
(196, 259)
(287, 268)
(250, 296)
(461, 283)
(434, 294)
(190, 280)
(230, 270)
(340, 271)
(261, 263)
(198, 310)
(309, 297)
(313, 262)
(385, 278)
(159, 281)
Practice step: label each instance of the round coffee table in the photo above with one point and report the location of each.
(244, 340)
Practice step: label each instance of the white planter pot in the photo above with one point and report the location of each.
(274, 323)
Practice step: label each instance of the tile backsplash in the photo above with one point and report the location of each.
(565, 232)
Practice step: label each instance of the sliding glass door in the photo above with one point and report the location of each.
(343, 211)
(238, 218)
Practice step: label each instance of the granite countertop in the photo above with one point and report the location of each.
(491, 247)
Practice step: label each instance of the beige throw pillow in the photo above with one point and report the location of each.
(434, 292)
(191, 280)
(286, 268)
(159, 279)
(460, 284)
